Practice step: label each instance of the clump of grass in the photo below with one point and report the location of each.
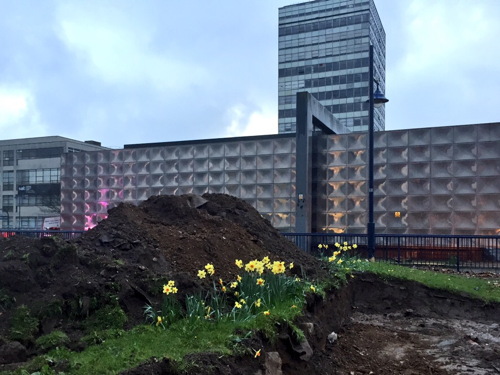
(485, 289)
(52, 340)
(24, 326)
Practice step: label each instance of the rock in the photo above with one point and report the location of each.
(304, 350)
(332, 337)
(308, 328)
(273, 364)
(12, 352)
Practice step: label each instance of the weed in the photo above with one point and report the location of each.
(6, 301)
(23, 325)
(52, 340)
(108, 317)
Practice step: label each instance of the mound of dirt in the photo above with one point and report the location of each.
(132, 254)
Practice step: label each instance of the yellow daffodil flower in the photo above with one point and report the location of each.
(202, 274)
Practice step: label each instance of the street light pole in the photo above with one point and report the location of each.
(376, 99)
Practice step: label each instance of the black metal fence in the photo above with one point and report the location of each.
(452, 251)
(40, 233)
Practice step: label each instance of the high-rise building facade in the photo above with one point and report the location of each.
(324, 49)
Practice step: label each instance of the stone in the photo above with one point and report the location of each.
(12, 352)
(332, 337)
(273, 364)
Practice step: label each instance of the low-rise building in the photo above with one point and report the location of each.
(31, 179)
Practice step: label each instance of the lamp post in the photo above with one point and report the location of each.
(376, 100)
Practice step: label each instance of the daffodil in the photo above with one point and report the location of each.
(237, 305)
(339, 261)
(238, 278)
(258, 303)
(159, 320)
(257, 353)
(239, 263)
(251, 266)
(291, 265)
(313, 288)
(320, 246)
(202, 274)
(261, 282)
(266, 260)
(332, 258)
(169, 287)
(233, 285)
(278, 267)
(267, 313)
(210, 269)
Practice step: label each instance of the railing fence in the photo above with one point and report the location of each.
(451, 251)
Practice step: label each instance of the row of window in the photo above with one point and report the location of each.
(39, 200)
(330, 39)
(24, 222)
(31, 176)
(324, 25)
(327, 81)
(36, 153)
(318, 10)
(324, 67)
(323, 51)
(38, 176)
(39, 153)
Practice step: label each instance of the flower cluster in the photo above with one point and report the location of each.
(260, 266)
(261, 286)
(340, 248)
(170, 288)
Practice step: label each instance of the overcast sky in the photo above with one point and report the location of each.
(128, 71)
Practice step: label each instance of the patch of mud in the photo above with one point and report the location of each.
(456, 345)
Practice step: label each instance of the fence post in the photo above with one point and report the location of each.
(458, 254)
(399, 250)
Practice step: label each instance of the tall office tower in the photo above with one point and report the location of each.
(324, 49)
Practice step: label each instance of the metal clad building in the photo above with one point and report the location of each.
(443, 180)
(260, 170)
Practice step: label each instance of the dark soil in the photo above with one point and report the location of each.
(132, 253)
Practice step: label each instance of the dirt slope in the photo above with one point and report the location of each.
(131, 254)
